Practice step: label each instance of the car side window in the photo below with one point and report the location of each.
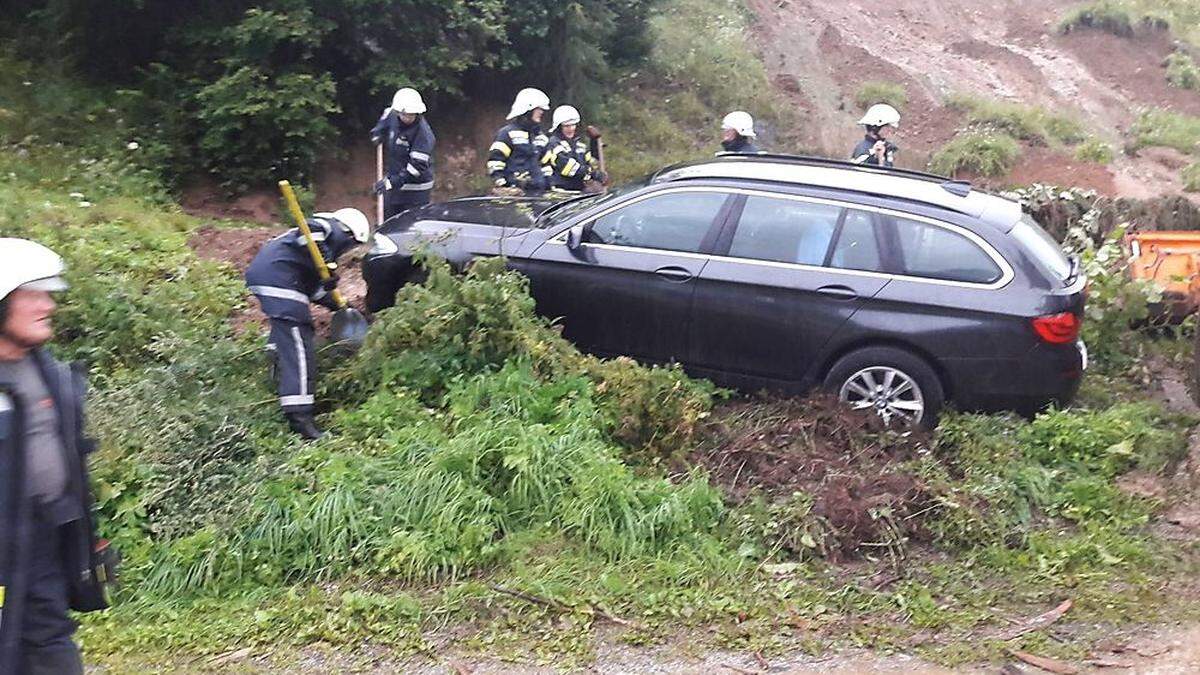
(676, 221)
(857, 247)
(784, 230)
(940, 253)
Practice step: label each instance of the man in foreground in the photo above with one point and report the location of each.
(48, 560)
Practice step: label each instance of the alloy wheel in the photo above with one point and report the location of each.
(891, 393)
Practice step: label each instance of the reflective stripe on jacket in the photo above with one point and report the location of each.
(571, 162)
(407, 151)
(283, 276)
(515, 156)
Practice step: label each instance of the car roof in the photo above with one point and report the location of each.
(913, 186)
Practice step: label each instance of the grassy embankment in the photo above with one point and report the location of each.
(475, 449)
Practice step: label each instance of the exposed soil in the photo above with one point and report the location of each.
(847, 464)
(820, 53)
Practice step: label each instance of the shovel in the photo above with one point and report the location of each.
(348, 324)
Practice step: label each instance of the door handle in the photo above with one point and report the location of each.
(673, 273)
(839, 292)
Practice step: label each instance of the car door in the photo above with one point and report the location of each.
(771, 297)
(627, 289)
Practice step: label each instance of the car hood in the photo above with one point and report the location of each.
(505, 212)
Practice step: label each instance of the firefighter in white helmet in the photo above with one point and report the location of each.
(52, 563)
(880, 121)
(408, 142)
(737, 133)
(514, 160)
(572, 158)
(284, 279)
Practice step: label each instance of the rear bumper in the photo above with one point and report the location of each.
(1049, 375)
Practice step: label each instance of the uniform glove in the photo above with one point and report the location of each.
(593, 131)
(600, 177)
(383, 186)
(330, 283)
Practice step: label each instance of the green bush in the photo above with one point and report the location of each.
(979, 152)
(1182, 71)
(1168, 129)
(1094, 150)
(874, 92)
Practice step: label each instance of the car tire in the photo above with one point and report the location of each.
(912, 380)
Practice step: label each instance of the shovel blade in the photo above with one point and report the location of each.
(348, 325)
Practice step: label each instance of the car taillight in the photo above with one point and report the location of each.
(1057, 329)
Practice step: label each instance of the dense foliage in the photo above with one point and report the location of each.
(250, 90)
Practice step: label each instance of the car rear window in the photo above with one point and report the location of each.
(935, 252)
(1041, 247)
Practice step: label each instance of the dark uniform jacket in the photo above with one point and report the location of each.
(571, 162)
(515, 157)
(68, 390)
(740, 144)
(407, 151)
(283, 276)
(862, 152)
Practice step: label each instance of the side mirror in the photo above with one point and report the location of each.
(575, 237)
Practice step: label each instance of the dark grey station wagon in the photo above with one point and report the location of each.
(898, 291)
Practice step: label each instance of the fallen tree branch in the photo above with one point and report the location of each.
(1036, 623)
(1046, 663)
(561, 607)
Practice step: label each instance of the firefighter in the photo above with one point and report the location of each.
(880, 121)
(50, 553)
(284, 279)
(407, 151)
(572, 160)
(515, 157)
(737, 133)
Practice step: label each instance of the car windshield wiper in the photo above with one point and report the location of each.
(559, 206)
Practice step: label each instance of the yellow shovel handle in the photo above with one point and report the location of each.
(294, 207)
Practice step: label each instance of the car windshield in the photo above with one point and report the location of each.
(564, 211)
(1042, 247)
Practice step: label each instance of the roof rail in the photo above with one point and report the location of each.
(812, 160)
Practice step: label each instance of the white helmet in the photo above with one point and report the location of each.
(353, 221)
(29, 265)
(528, 99)
(741, 122)
(408, 100)
(564, 114)
(881, 115)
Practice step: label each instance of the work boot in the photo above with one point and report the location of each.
(303, 424)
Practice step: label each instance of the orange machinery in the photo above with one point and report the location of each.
(1171, 259)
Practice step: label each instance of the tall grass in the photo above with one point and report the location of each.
(1026, 123)
(978, 152)
(1126, 17)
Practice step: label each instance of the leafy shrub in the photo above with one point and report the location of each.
(983, 153)
(1166, 128)
(1115, 300)
(1000, 477)
(874, 92)
(1094, 150)
(1182, 71)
